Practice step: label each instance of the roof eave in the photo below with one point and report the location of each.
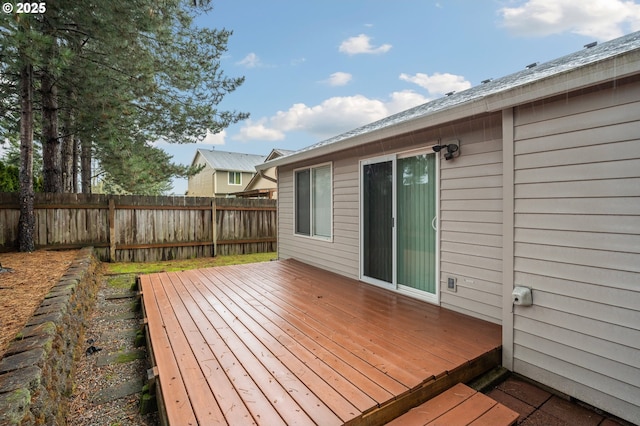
(610, 69)
(606, 70)
(434, 119)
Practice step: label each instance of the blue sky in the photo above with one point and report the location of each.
(315, 69)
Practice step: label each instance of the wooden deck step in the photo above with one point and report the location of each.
(460, 405)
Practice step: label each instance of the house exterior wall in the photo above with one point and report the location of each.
(259, 182)
(213, 183)
(545, 195)
(341, 254)
(201, 185)
(471, 223)
(470, 213)
(222, 183)
(576, 242)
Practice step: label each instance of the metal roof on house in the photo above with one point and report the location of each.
(509, 90)
(278, 152)
(282, 152)
(231, 161)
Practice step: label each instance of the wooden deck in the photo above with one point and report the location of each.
(286, 343)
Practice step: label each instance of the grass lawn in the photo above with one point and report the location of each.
(184, 264)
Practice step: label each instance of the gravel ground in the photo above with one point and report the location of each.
(96, 399)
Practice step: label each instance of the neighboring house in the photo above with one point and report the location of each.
(264, 184)
(543, 192)
(224, 173)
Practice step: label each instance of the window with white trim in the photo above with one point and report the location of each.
(313, 201)
(235, 178)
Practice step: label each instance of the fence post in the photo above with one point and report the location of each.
(214, 227)
(112, 230)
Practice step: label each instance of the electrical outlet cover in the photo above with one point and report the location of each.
(451, 284)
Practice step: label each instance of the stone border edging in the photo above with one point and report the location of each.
(35, 372)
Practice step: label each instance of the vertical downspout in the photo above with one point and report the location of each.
(508, 205)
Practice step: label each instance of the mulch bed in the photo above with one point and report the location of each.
(23, 288)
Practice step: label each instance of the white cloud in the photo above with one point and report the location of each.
(362, 44)
(438, 83)
(250, 61)
(258, 131)
(600, 19)
(339, 79)
(401, 101)
(209, 138)
(330, 118)
(214, 138)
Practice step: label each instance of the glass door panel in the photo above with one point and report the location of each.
(377, 216)
(416, 211)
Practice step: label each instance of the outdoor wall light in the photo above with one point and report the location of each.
(452, 149)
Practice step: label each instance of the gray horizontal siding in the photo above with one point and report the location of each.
(608, 377)
(556, 381)
(577, 244)
(340, 255)
(471, 224)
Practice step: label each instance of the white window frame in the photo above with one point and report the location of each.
(229, 174)
(311, 208)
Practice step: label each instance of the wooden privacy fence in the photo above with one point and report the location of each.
(130, 228)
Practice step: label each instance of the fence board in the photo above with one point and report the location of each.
(136, 228)
(251, 220)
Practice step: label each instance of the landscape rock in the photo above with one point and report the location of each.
(17, 379)
(15, 408)
(36, 371)
(38, 341)
(21, 360)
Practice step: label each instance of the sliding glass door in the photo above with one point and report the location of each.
(398, 212)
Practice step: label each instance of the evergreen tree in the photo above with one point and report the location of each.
(163, 83)
(27, 221)
(9, 178)
(126, 72)
(10, 163)
(20, 55)
(105, 82)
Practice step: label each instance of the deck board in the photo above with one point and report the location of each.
(286, 343)
(182, 410)
(359, 323)
(233, 339)
(372, 380)
(347, 330)
(224, 398)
